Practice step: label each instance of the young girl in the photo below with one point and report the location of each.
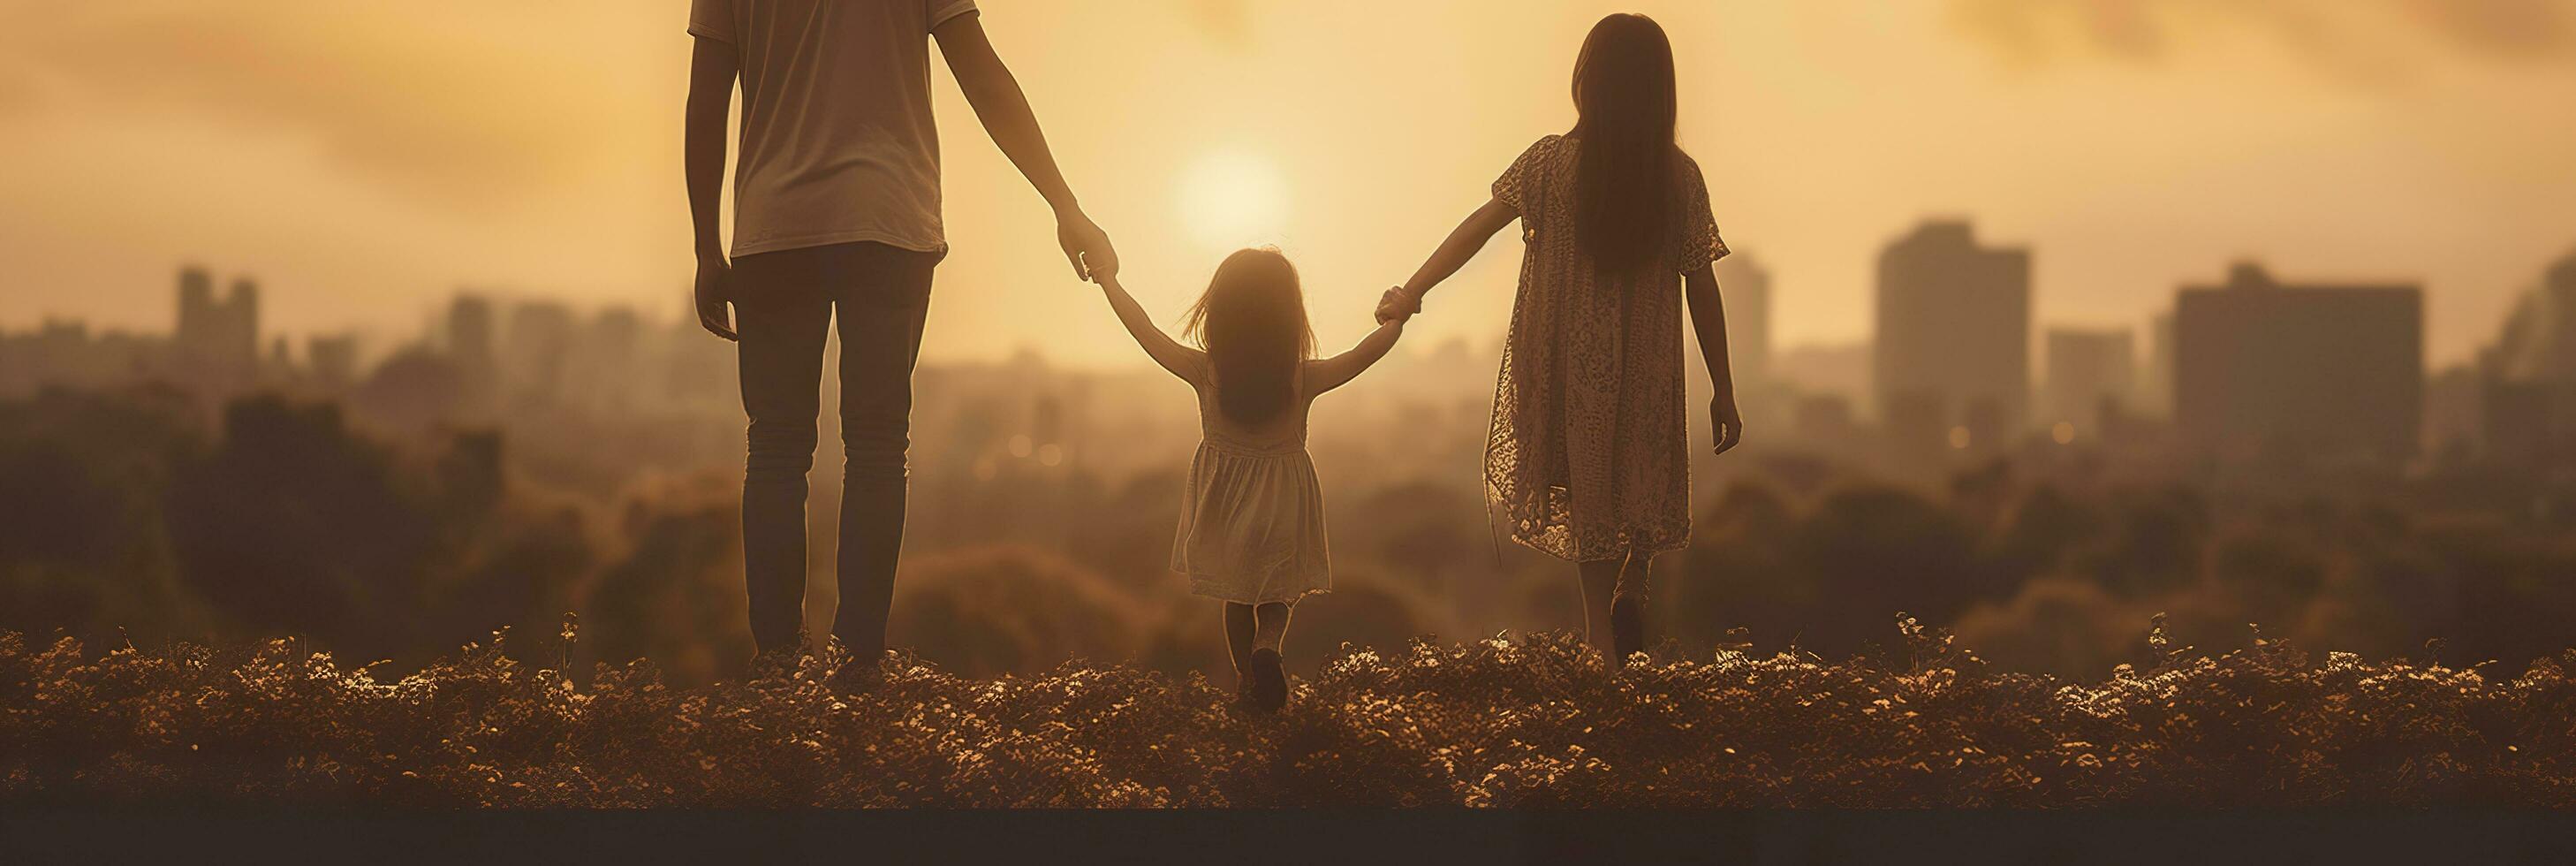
(1252, 527)
(1587, 452)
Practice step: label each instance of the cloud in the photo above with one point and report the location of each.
(2504, 28)
(2369, 38)
(449, 100)
(1225, 21)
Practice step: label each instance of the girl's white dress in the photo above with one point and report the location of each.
(1252, 522)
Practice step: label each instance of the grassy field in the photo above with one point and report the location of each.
(1535, 722)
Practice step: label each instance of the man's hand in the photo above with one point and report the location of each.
(1086, 246)
(1396, 305)
(715, 289)
(1726, 422)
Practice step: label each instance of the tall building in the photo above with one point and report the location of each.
(2538, 342)
(2454, 411)
(216, 345)
(2155, 381)
(2315, 369)
(1746, 287)
(1954, 335)
(602, 370)
(2527, 377)
(334, 360)
(2087, 370)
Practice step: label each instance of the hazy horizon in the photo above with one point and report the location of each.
(364, 162)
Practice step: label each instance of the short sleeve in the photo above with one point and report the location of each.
(712, 19)
(1513, 187)
(1700, 244)
(938, 12)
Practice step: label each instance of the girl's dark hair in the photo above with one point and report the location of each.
(1252, 322)
(1624, 99)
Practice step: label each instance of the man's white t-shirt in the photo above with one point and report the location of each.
(837, 141)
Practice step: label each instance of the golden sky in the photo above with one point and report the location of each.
(365, 160)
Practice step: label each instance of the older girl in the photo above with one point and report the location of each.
(1587, 454)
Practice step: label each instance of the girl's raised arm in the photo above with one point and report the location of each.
(1462, 244)
(1185, 362)
(1338, 370)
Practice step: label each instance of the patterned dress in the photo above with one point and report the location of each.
(1589, 452)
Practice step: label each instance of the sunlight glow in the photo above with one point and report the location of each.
(1233, 199)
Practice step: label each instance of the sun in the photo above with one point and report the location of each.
(1233, 199)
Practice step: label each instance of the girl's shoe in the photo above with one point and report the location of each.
(1627, 628)
(1266, 681)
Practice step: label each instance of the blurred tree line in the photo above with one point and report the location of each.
(132, 510)
(124, 512)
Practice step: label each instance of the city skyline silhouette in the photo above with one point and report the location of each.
(2394, 147)
(1942, 411)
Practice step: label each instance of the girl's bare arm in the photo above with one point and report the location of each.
(1462, 244)
(1708, 320)
(1339, 370)
(1181, 360)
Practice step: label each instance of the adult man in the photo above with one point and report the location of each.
(837, 211)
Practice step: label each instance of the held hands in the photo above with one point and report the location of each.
(1727, 422)
(1396, 306)
(1085, 246)
(714, 290)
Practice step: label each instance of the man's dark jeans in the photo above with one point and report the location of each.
(784, 302)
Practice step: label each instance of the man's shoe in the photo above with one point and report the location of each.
(857, 675)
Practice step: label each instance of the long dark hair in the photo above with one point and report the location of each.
(1252, 322)
(1624, 99)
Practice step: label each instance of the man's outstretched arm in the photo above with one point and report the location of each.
(1005, 113)
(712, 69)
